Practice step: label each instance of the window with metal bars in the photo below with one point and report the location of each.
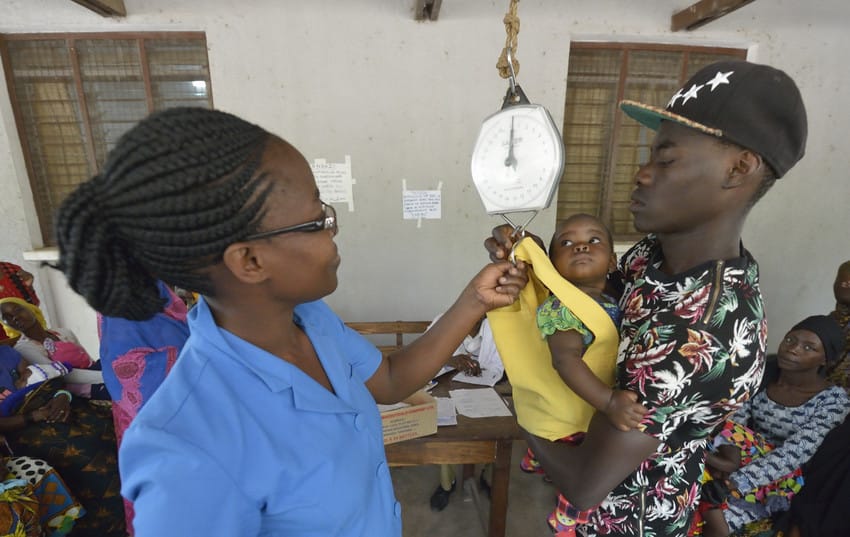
(603, 146)
(74, 95)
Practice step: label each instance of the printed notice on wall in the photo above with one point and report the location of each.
(419, 204)
(334, 181)
(422, 204)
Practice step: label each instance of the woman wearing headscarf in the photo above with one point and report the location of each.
(15, 282)
(779, 429)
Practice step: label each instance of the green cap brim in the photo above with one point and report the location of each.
(651, 116)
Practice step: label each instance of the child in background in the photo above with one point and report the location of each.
(18, 379)
(30, 375)
(582, 251)
(25, 379)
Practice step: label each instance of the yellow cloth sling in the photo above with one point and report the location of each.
(545, 406)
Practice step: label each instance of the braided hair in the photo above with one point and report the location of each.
(176, 190)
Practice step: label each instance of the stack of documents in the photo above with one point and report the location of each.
(472, 403)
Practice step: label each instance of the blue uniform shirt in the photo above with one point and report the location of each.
(239, 442)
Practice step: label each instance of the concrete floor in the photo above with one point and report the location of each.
(530, 500)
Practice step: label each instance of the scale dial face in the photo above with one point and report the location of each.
(517, 160)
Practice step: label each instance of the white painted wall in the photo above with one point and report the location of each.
(405, 100)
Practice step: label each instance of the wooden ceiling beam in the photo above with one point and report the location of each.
(704, 12)
(107, 8)
(426, 10)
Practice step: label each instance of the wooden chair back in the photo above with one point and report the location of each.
(399, 329)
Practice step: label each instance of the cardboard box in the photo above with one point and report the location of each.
(416, 417)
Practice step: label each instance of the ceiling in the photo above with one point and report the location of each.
(689, 18)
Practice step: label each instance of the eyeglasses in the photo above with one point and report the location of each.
(327, 222)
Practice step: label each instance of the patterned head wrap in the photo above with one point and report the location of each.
(39, 316)
(11, 283)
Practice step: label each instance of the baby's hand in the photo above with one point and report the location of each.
(623, 410)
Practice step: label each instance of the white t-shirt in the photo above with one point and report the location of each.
(481, 347)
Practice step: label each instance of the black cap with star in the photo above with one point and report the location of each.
(755, 106)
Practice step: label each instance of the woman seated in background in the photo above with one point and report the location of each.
(15, 282)
(40, 345)
(73, 435)
(763, 445)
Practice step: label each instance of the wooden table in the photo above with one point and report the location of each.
(471, 441)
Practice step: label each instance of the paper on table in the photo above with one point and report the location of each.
(489, 376)
(394, 406)
(443, 370)
(446, 414)
(479, 403)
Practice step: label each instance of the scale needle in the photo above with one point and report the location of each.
(510, 160)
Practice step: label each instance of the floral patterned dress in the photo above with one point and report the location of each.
(692, 346)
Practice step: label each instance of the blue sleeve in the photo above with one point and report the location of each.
(172, 485)
(361, 353)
